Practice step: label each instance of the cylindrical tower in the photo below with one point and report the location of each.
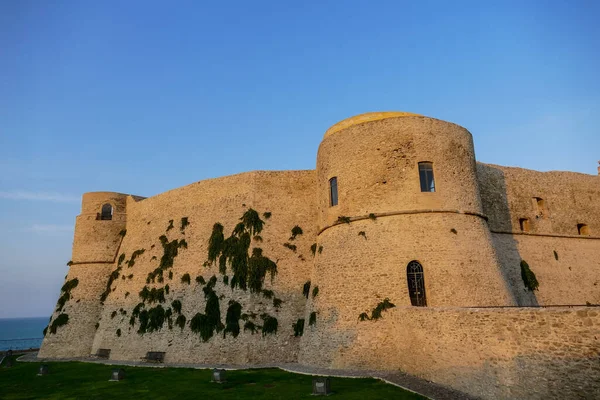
(400, 217)
(99, 231)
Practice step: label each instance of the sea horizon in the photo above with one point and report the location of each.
(22, 333)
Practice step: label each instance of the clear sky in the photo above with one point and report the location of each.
(144, 96)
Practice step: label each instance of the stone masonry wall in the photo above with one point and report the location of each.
(289, 196)
(494, 353)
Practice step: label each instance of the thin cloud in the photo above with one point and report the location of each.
(40, 196)
(40, 228)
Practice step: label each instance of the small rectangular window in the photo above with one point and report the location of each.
(333, 192)
(524, 224)
(426, 177)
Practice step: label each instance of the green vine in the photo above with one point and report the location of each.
(555, 255)
(185, 278)
(111, 278)
(180, 321)
(176, 304)
(296, 230)
(376, 312)
(343, 219)
(119, 332)
(200, 280)
(232, 319)
(153, 295)
(312, 320)
(206, 324)
(306, 289)
(151, 320)
(269, 325)
(292, 247)
(170, 251)
(313, 249)
(315, 291)
(267, 215)
(61, 320)
(277, 302)
(184, 223)
(250, 326)
(298, 327)
(121, 259)
(133, 257)
(66, 293)
(170, 225)
(372, 216)
(529, 280)
(123, 232)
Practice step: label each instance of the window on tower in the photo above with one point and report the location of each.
(107, 212)
(333, 192)
(426, 177)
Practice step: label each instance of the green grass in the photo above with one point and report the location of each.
(75, 380)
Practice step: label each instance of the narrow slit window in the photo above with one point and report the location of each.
(583, 229)
(426, 177)
(107, 212)
(524, 224)
(333, 192)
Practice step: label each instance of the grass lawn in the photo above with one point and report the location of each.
(76, 380)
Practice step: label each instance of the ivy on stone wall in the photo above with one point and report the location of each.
(269, 324)
(151, 320)
(296, 230)
(313, 249)
(135, 254)
(555, 255)
(185, 278)
(184, 223)
(232, 319)
(232, 252)
(343, 219)
(315, 291)
(180, 321)
(529, 279)
(376, 312)
(298, 327)
(290, 246)
(121, 259)
(170, 225)
(61, 320)
(111, 278)
(306, 289)
(277, 302)
(170, 251)
(312, 319)
(66, 293)
(152, 295)
(176, 304)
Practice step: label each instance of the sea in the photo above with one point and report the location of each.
(22, 333)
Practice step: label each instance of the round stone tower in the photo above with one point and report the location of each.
(98, 234)
(400, 217)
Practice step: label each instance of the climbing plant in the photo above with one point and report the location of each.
(154, 295)
(133, 257)
(290, 246)
(312, 320)
(184, 223)
(296, 230)
(232, 319)
(170, 251)
(376, 312)
(269, 324)
(61, 320)
(529, 279)
(66, 293)
(313, 249)
(315, 291)
(185, 278)
(343, 219)
(180, 321)
(306, 289)
(176, 304)
(298, 327)
(111, 278)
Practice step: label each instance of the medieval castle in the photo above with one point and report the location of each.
(399, 252)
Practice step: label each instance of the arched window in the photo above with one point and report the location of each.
(107, 212)
(426, 177)
(416, 284)
(333, 192)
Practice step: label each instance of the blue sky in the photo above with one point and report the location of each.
(144, 96)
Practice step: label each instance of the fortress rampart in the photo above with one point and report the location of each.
(396, 212)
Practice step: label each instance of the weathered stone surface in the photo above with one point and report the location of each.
(466, 235)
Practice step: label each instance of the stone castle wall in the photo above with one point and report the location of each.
(467, 236)
(493, 353)
(566, 264)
